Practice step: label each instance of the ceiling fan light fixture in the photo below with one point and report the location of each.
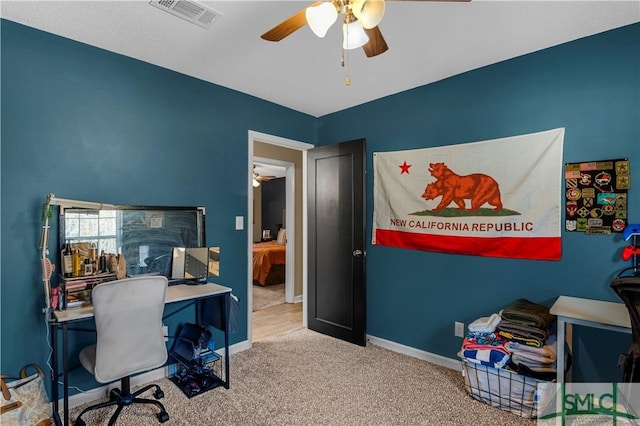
(368, 12)
(321, 17)
(353, 35)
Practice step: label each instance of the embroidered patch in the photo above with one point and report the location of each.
(594, 223)
(618, 225)
(585, 179)
(581, 224)
(573, 194)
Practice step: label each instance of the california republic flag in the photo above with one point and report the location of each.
(498, 198)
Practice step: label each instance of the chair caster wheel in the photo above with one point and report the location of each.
(80, 422)
(158, 394)
(163, 417)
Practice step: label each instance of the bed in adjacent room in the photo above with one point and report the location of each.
(269, 262)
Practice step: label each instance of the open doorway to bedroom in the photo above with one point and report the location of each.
(276, 288)
(269, 234)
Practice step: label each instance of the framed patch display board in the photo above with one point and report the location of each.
(596, 196)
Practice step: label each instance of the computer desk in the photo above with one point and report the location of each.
(586, 312)
(60, 320)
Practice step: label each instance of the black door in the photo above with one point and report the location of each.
(336, 209)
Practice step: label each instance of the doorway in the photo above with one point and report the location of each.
(291, 156)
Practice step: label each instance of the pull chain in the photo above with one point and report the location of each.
(345, 61)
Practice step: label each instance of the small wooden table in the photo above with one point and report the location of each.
(587, 312)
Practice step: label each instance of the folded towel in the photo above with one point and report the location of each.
(531, 341)
(543, 355)
(484, 341)
(528, 313)
(533, 366)
(540, 371)
(485, 324)
(490, 357)
(524, 333)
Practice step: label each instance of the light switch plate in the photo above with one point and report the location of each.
(239, 223)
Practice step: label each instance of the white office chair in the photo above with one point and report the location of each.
(128, 316)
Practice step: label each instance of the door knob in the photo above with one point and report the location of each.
(357, 253)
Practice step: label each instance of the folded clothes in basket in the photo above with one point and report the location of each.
(549, 375)
(501, 388)
(490, 357)
(538, 367)
(527, 313)
(528, 335)
(542, 355)
(486, 349)
(484, 341)
(485, 324)
(535, 362)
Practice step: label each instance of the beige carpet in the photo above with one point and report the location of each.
(265, 297)
(305, 378)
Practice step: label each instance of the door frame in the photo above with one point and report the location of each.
(254, 136)
(290, 185)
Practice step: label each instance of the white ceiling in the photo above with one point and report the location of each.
(428, 41)
(269, 170)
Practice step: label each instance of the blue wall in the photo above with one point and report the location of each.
(592, 88)
(88, 124)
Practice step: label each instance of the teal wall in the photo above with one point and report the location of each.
(88, 124)
(592, 88)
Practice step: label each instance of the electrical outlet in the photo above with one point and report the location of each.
(165, 332)
(459, 329)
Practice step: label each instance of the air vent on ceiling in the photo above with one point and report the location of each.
(188, 10)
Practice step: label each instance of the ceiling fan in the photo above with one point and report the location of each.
(360, 19)
(257, 178)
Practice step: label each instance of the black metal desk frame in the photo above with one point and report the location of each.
(178, 293)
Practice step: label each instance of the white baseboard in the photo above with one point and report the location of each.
(239, 347)
(450, 363)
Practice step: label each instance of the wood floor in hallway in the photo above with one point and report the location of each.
(276, 320)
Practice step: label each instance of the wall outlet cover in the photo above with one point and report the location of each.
(459, 329)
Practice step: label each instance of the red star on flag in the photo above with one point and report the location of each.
(404, 167)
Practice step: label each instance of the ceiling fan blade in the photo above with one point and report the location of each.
(288, 26)
(376, 44)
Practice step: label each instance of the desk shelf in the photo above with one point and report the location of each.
(199, 366)
(76, 292)
(200, 375)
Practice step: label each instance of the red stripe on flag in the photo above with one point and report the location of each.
(536, 248)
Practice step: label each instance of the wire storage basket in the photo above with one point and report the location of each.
(502, 388)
